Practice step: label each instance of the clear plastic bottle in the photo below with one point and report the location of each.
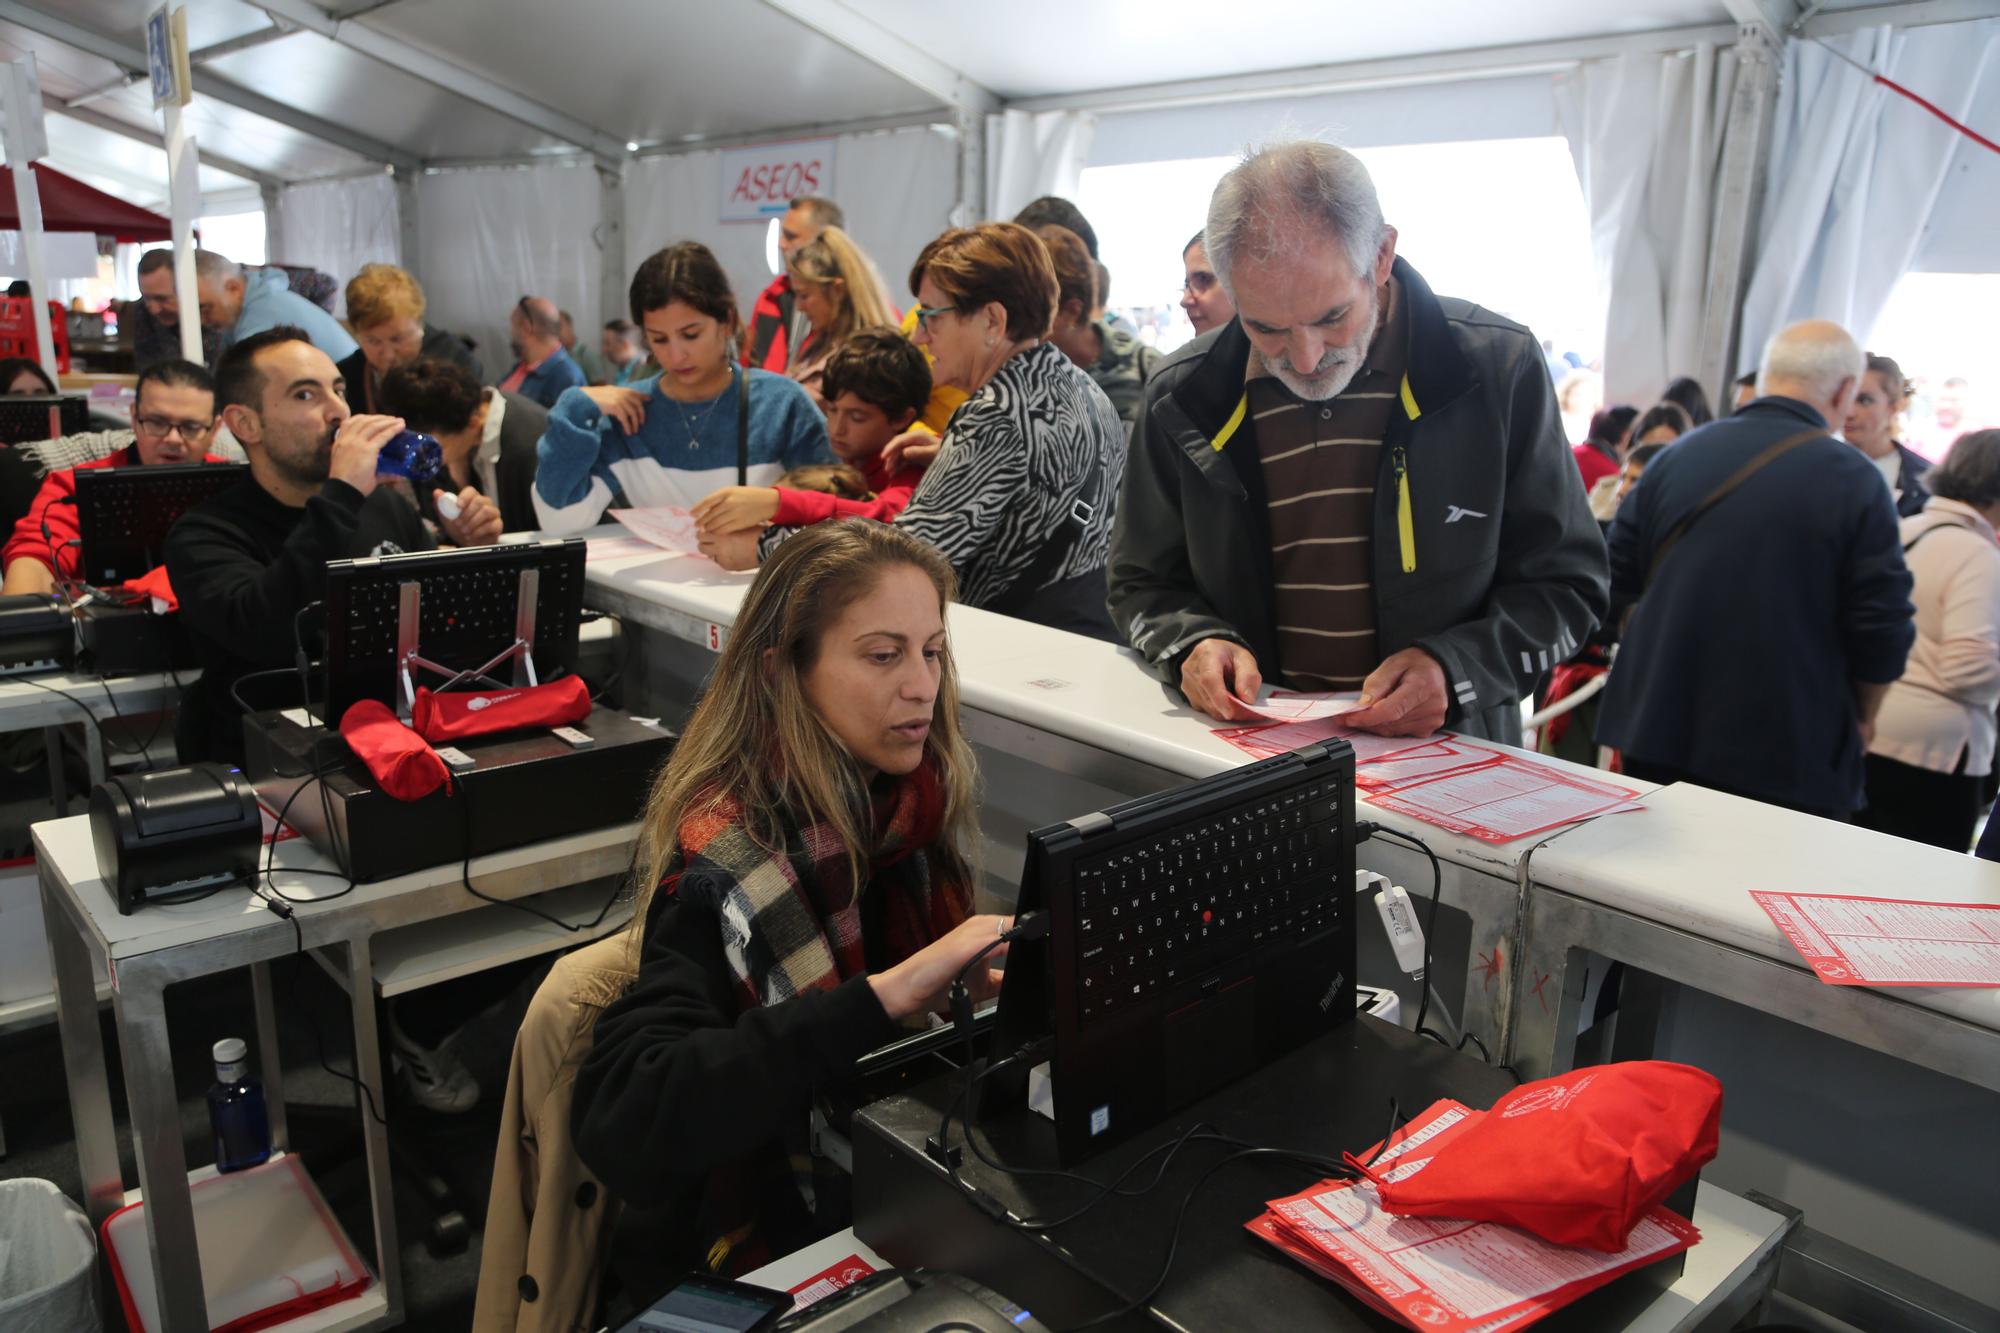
(236, 1109)
(410, 454)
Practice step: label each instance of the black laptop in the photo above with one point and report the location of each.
(1196, 935)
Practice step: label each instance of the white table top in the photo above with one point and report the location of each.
(1068, 685)
(1692, 857)
(33, 700)
(65, 846)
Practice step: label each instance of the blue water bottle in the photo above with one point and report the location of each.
(410, 454)
(236, 1109)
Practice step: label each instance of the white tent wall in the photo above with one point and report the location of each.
(490, 237)
(1857, 173)
(1030, 154)
(896, 188)
(1509, 107)
(337, 226)
(1646, 130)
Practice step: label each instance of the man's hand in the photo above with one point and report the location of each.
(913, 448)
(733, 550)
(478, 522)
(1405, 696)
(1220, 678)
(734, 508)
(625, 406)
(355, 448)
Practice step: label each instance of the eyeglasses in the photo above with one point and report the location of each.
(1198, 283)
(159, 428)
(924, 313)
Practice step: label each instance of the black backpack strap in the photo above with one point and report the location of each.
(1041, 571)
(742, 426)
(1724, 491)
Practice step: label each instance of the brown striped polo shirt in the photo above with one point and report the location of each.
(1320, 462)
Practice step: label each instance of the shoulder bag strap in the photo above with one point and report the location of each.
(1070, 528)
(742, 427)
(1725, 490)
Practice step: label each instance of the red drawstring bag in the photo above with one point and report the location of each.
(402, 763)
(1577, 1159)
(455, 716)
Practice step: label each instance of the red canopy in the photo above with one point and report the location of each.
(70, 205)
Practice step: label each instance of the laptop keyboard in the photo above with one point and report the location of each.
(1191, 900)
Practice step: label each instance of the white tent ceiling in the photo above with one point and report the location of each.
(295, 90)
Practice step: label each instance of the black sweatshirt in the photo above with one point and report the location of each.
(242, 564)
(677, 1084)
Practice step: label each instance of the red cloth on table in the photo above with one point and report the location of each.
(1577, 1159)
(402, 763)
(455, 716)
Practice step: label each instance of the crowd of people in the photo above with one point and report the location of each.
(1346, 482)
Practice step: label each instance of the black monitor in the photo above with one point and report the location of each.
(1196, 935)
(482, 618)
(42, 416)
(123, 514)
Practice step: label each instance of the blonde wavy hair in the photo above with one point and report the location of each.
(755, 739)
(834, 261)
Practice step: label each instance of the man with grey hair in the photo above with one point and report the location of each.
(237, 304)
(1772, 602)
(1355, 485)
(543, 368)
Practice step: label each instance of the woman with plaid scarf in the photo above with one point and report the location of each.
(807, 841)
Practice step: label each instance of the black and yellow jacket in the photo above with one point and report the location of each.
(1485, 553)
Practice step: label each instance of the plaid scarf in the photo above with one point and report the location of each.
(791, 922)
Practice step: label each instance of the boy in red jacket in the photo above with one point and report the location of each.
(876, 383)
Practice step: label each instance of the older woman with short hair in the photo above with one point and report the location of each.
(385, 308)
(1934, 738)
(1021, 497)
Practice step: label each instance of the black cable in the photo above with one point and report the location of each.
(319, 1036)
(465, 877)
(1370, 830)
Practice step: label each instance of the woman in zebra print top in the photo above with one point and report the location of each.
(1021, 496)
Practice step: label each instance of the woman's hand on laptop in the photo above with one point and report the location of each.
(921, 982)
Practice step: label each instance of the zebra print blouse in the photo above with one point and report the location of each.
(1014, 461)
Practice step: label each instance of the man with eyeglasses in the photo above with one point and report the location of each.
(173, 420)
(1204, 302)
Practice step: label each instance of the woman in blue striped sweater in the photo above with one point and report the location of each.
(674, 438)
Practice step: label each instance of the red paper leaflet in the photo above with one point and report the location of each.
(1857, 941)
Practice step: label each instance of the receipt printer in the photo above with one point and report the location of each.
(161, 834)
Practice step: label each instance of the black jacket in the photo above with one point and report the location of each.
(1485, 556)
(1911, 489)
(440, 343)
(242, 565)
(1739, 662)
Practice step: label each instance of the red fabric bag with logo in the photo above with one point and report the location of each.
(444, 718)
(401, 762)
(1577, 1159)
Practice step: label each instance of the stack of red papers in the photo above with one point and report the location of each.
(1442, 1276)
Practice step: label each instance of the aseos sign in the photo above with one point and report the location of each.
(758, 183)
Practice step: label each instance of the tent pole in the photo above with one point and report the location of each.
(184, 189)
(24, 118)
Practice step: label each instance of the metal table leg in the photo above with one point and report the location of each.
(270, 1065)
(52, 742)
(156, 1138)
(375, 1134)
(83, 1057)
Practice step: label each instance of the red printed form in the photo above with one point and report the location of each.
(1495, 800)
(669, 527)
(1853, 941)
(835, 1277)
(1435, 1274)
